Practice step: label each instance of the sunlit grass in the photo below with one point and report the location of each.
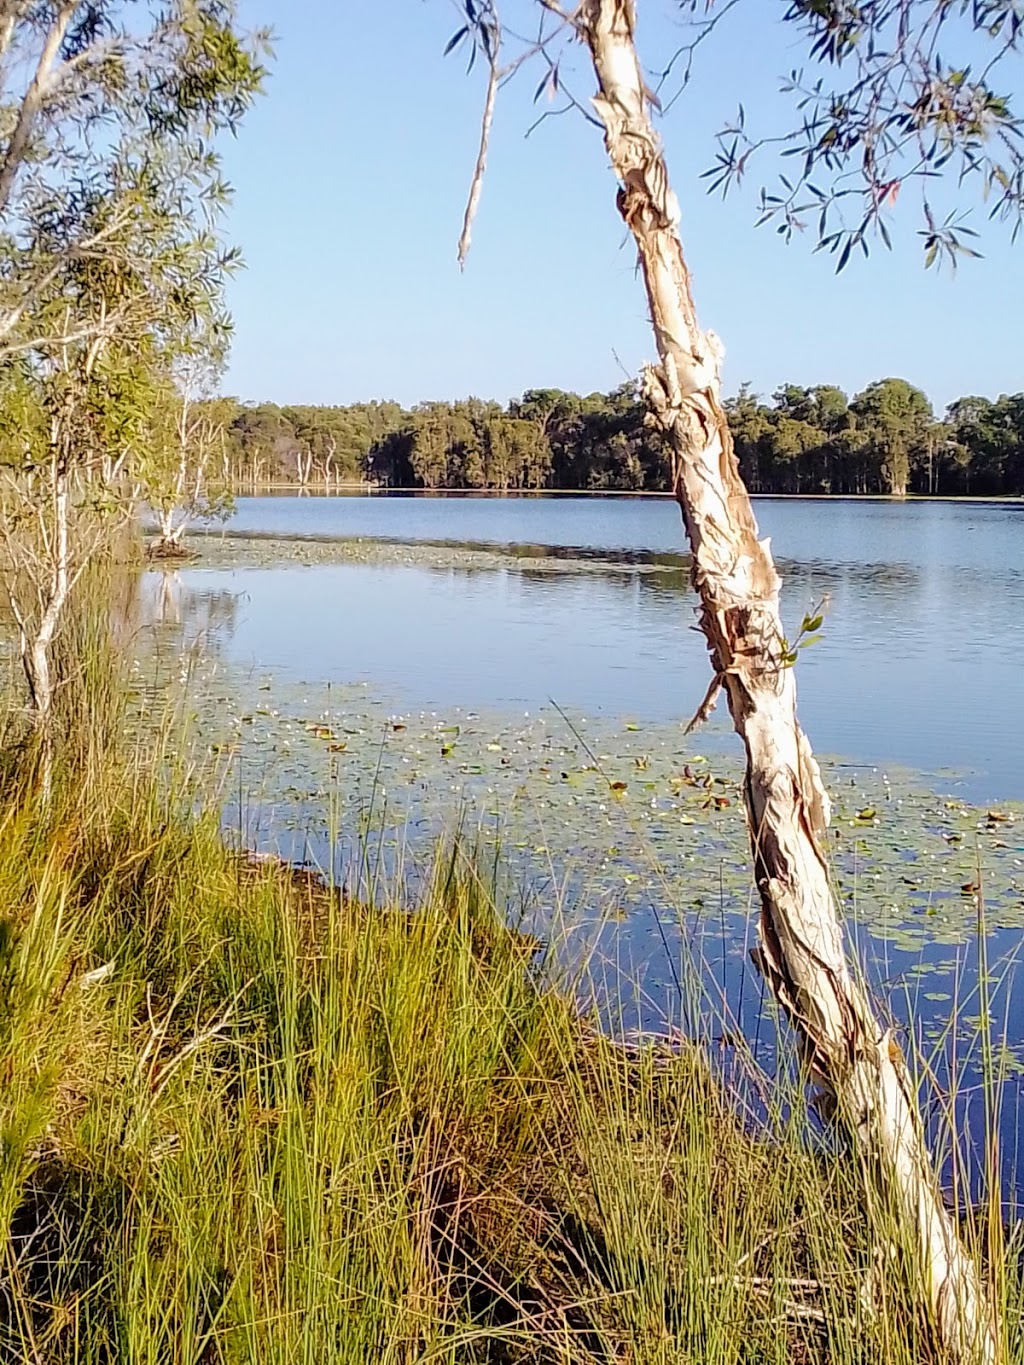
(246, 1116)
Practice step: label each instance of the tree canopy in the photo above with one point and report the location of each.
(803, 439)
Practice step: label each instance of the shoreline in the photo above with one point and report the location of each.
(321, 490)
(223, 547)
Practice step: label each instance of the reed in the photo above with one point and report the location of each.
(246, 1116)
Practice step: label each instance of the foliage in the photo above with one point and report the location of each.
(886, 440)
(896, 422)
(807, 440)
(893, 95)
(111, 267)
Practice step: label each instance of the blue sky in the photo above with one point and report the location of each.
(350, 180)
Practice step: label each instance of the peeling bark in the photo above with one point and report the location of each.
(856, 1061)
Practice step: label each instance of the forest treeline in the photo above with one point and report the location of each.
(886, 439)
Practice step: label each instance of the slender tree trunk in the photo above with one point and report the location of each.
(848, 1052)
(36, 644)
(165, 516)
(33, 99)
(173, 497)
(332, 447)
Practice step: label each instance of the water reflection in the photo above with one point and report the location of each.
(184, 615)
(833, 530)
(915, 666)
(905, 644)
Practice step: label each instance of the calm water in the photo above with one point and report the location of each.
(586, 602)
(920, 663)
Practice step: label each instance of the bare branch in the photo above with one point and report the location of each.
(493, 46)
(567, 16)
(689, 51)
(33, 100)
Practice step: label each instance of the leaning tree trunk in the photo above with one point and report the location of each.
(849, 1053)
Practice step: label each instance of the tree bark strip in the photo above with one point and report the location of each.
(848, 1052)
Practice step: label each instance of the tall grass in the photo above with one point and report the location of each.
(246, 1118)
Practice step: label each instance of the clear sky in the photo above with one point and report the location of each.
(350, 180)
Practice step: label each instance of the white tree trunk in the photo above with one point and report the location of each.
(165, 517)
(37, 642)
(802, 956)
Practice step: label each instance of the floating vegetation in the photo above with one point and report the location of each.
(225, 549)
(614, 797)
(632, 832)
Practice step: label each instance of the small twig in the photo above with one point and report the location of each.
(707, 27)
(493, 48)
(703, 711)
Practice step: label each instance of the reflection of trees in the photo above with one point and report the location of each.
(664, 579)
(181, 616)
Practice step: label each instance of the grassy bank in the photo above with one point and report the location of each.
(244, 1117)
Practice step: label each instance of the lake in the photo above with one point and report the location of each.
(386, 667)
(920, 661)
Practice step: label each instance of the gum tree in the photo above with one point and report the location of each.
(879, 110)
(896, 421)
(110, 194)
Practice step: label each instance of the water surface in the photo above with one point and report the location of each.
(389, 664)
(920, 661)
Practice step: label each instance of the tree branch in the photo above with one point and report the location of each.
(33, 100)
(10, 12)
(79, 252)
(476, 184)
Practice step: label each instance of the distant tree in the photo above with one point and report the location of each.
(748, 422)
(264, 443)
(895, 420)
(987, 443)
(430, 438)
(808, 439)
(389, 460)
(182, 474)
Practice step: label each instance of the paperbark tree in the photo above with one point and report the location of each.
(801, 954)
(182, 477)
(847, 1051)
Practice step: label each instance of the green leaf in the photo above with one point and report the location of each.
(455, 40)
